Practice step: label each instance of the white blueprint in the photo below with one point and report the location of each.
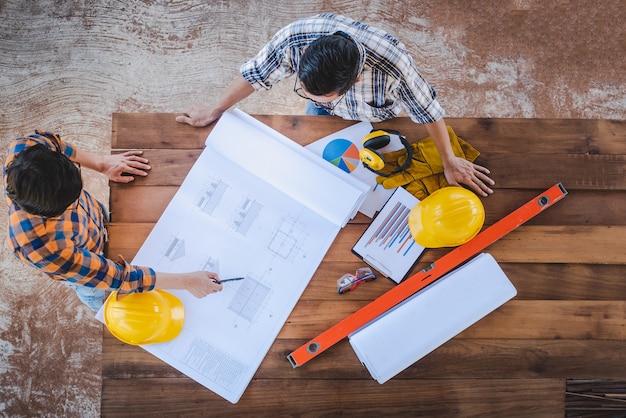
(227, 217)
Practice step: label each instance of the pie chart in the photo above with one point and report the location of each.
(342, 153)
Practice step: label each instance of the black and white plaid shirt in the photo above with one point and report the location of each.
(390, 81)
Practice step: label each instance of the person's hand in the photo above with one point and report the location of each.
(123, 167)
(201, 283)
(460, 171)
(199, 115)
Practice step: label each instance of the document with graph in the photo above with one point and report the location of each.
(254, 205)
(387, 244)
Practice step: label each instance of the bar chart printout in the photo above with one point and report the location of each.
(387, 244)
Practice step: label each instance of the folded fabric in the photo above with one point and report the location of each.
(425, 173)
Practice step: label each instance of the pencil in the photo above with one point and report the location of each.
(231, 280)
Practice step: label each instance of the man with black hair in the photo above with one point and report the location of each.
(352, 70)
(59, 228)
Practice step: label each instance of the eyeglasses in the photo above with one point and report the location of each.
(348, 282)
(320, 105)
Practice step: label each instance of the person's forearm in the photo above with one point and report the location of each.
(169, 281)
(198, 283)
(89, 160)
(439, 133)
(236, 91)
(457, 169)
(201, 115)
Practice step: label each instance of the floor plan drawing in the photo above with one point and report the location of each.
(249, 299)
(286, 238)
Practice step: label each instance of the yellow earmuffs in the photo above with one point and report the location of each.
(373, 160)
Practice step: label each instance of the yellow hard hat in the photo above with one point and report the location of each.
(144, 318)
(449, 217)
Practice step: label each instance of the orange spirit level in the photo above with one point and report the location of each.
(423, 278)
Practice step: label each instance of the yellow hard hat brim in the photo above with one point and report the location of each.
(135, 322)
(419, 232)
(176, 320)
(431, 229)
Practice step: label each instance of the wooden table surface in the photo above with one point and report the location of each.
(557, 348)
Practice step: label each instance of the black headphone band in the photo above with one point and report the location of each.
(409, 156)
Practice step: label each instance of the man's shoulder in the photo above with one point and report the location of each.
(48, 140)
(26, 230)
(324, 23)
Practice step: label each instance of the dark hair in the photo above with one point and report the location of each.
(42, 181)
(329, 65)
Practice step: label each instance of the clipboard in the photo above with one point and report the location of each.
(387, 244)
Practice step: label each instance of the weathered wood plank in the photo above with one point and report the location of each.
(526, 244)
(161, 131)
(579, 136)
(579, 208)
(535, 171)
(126, 239)
(595, 397)
(169, 167)
(490, 358)
(317, 398)
(524, 319)
(567, 281)
(533, 281)
(548, 136)
(576, 172)
(135, 204)
(562, 244)
(154, 131)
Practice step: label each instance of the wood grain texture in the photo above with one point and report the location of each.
(321, 397)
(469, 358)
(65, 66)
(577, 211)
(567, 320)
(527, 244)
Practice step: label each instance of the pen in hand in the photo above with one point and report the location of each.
(228, 280)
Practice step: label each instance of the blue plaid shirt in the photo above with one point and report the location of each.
(390, 81)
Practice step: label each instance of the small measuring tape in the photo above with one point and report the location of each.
(349, 282)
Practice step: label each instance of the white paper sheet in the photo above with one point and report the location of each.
(420, 324)
(236, 216)
(279, 161)
(341, 149)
